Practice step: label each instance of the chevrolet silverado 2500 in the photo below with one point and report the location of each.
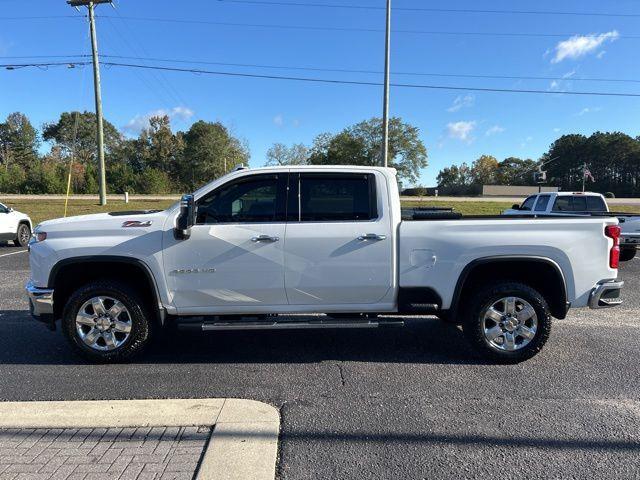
(255, 246)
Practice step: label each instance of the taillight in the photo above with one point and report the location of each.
(613, 232)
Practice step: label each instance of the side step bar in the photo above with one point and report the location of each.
(290, 325)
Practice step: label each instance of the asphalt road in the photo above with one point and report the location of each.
(405, 403)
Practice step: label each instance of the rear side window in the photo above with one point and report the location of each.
(596, 204)
(543, 201)
(528, 203)
(562, 204)
(332, 197)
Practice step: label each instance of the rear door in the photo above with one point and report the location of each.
(338, 246)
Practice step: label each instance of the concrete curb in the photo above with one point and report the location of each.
(243, 444)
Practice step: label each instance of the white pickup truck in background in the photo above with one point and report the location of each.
(582, 203)
(256, 246)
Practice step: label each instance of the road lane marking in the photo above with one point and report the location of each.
(12, 253)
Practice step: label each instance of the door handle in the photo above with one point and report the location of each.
(371, 236)
(265, 238)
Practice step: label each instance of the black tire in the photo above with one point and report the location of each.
(23, 235)
(474, 322)
(137, 311)
(627, 254)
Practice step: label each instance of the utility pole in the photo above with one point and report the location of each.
(90, 4)
(385, 106)
(584, 171)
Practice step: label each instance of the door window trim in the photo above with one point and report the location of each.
(281, 198)
(294, 200)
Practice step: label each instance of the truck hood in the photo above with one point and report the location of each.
(104, 223)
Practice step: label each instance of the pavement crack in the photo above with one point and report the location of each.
(341, 370)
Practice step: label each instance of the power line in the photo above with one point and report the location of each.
(344, 70)
(337, 29)
(335, 81)
(430, 9)
(376, 84)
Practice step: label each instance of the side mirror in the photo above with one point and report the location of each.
(515, 206)
(186, 217)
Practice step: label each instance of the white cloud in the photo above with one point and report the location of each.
(461, 130)
(495, 130)
(601, 54)
(556, 129)
(462, 101)
(140, 122)
(586, 110)
(555, 85)
(581, 45)
(278, 120)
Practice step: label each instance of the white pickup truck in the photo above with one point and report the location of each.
(255, 246)
(582, 203)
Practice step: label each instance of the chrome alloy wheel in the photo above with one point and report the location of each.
(509, 324)
(103, 323)
(24, 234)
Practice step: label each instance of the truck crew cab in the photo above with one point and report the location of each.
(255, 246)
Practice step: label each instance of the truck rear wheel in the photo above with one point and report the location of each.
(106, 322)
(508, 322)
(627, 254)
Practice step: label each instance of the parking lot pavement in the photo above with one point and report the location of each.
(408, 403)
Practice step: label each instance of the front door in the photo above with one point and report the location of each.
(339, 246)
(8, 226)
(234, 257)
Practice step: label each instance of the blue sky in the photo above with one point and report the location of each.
(455, 126)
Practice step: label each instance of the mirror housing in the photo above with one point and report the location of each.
(186, 218)
(515, 206)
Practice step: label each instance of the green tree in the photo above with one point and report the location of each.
(515, 171)
(154, 181)
(484, 170)
(280, 154)
(64, 131)
(19, 141)
(361, 144)
(210, 151)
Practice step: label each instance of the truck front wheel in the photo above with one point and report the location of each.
(106, 322)
(508, 322)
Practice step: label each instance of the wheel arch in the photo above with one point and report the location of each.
(543, 274)
(69, 274)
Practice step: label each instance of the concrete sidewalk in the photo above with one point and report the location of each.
(138, 439)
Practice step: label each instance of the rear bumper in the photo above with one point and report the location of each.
(629, 240)
(40, 301)
(606, 294)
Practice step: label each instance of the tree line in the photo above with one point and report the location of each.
(160, 160)
(612, 159)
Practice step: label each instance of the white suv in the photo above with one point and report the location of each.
(14, 226)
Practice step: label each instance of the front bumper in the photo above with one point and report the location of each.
(40, 301)
(606, 294)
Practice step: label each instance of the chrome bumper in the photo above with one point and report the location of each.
(40, 300)
(606, 294)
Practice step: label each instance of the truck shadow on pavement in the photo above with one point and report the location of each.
(25, 341)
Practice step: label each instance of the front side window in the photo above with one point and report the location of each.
(528, 203)
(337, 197)
(543, 201)
(254, 199)
(3, 209)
